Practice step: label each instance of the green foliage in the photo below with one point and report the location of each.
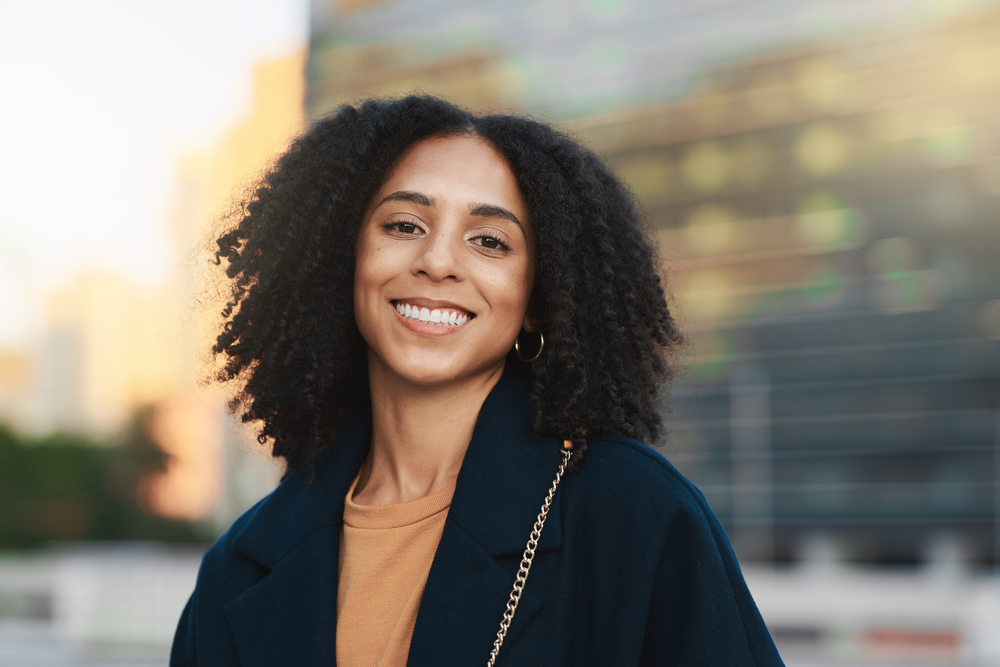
(66, 487)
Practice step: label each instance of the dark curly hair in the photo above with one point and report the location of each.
(289, 336)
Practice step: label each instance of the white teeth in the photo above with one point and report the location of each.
(441, 316)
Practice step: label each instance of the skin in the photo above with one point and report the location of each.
(448, 230)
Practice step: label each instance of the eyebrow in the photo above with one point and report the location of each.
(479, 210)
(406, 195)
(493, 211)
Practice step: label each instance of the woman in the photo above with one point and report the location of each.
(431, 312)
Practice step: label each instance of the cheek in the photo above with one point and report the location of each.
(368, 278)
(511, 291)
(369, 266)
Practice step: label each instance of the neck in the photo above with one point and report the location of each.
(419, 435)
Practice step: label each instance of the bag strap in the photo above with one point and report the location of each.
(529, 555)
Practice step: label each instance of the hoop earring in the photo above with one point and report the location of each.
(517, 347)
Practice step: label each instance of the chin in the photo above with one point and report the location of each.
(436, 377)
(433, 374)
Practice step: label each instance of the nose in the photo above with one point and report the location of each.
(441, 256)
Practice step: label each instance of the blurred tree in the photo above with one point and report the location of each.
(67, 487)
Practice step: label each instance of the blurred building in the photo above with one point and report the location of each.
(824, 186)
(209, 449)
(15, 382)
(111, 348)
(566, 58)
(830, 214)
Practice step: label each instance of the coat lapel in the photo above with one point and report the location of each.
(505, 476)
(290, 616)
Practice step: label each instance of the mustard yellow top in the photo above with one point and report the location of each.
(385, 556)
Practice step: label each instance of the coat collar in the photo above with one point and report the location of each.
(295, 532)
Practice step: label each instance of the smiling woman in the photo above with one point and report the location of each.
(443, 322)
(446, 239)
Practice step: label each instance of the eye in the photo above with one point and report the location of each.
(402, 227)
(491, 242)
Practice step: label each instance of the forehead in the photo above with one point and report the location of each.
(462, 169)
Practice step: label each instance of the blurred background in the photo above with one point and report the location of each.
(823, 177)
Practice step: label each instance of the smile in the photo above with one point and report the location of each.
(438, 316)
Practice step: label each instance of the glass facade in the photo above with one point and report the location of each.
(825, 188)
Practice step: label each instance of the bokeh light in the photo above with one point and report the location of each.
(706, 166)
(822, 149)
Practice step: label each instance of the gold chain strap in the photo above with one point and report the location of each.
(529, 555)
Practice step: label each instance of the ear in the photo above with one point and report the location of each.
(530, 323)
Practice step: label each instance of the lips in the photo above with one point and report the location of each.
(438, 316)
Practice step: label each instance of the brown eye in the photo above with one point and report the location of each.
(491, 243)
(401, 227)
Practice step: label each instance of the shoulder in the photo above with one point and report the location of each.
(633, 490)
(225, 570)
(272, 526)
(277, 525)
(653, 523)
(636, 472)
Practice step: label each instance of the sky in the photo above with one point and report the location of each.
(99, 100)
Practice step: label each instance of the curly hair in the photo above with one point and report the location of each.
(289, 338)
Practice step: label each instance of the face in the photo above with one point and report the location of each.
(444, 265)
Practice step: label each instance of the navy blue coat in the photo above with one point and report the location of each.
(632, 568)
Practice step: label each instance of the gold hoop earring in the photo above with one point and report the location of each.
(517, 347)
